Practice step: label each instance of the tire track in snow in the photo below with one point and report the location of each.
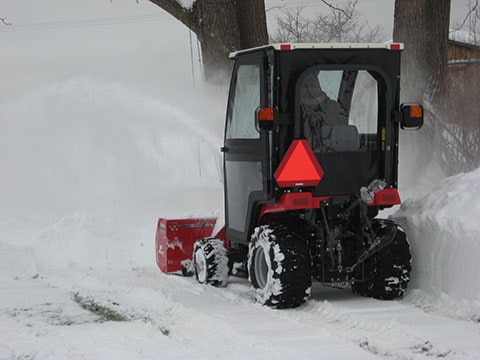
(379, 328)
(375, 330)
(199, 316)
(388, 339)
(154, 304)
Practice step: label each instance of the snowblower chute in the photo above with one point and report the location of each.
(174, 241)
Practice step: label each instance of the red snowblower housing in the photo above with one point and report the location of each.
(174, 241)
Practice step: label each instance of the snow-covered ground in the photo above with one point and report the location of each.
(88, 166)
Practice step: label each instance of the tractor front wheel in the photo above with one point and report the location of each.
(279, 267)
(210, 261)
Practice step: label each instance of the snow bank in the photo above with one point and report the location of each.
(444, 231)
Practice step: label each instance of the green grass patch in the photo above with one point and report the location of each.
(104, 313)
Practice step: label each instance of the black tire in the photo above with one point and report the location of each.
(387, 272)
(279, 267)
(210, 261)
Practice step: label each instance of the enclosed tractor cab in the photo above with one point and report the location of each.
(310, 157)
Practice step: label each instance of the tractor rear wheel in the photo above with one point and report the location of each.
(387, 272)
(210, 261)
(279, 267)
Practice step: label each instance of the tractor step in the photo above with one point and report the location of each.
(175, 238)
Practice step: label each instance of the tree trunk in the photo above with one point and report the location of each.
(252, 22)
(218, 33)
(221, 26)
(423, 26)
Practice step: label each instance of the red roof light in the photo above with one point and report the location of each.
(285, 47)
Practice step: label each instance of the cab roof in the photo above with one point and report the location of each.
(295, 46)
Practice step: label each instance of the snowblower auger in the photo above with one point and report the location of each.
(310, 157)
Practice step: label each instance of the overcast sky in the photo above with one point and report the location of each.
(118, 40)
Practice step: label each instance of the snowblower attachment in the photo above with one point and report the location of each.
(174, 241)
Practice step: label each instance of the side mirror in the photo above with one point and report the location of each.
(412, 116)
(264, 118)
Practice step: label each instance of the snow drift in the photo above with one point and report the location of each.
(444, 232)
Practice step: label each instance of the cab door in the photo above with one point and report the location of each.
(245, 147)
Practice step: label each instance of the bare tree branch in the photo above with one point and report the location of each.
(335, 8)
(4, 21)
(335, 26)
(471, 23)
(280, 7)
(470, 12)
(187, 17)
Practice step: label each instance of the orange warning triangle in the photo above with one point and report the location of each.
(299, 166)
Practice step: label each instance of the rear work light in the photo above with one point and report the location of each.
(264, 118)
(387, 197)
(412, 116)
(416, 111)
(265, 114)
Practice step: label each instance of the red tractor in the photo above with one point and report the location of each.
(310, 157)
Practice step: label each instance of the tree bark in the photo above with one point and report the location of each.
(252, 22)
(218, 34)
(423, 26)
(221, 26)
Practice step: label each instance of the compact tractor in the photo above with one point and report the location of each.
(310, 158)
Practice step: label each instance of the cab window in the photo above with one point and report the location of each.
(246, 100)
(339, 109)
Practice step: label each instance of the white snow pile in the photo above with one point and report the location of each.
(461, 35)
(444, 231)
(186, 4)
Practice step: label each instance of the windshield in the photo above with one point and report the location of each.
(339, 110)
